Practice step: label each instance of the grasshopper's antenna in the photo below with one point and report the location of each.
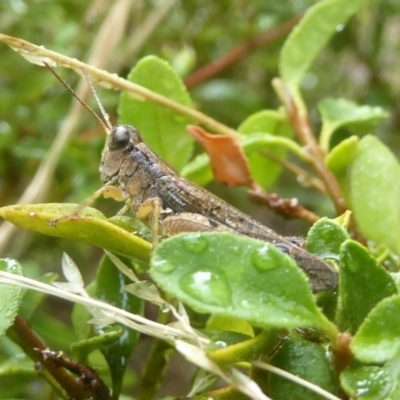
(96, 97)
(105, 124)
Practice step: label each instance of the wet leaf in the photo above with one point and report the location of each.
(369, 383)
(228, 160)
(91, 226)
(378, 338)
(252, 280)
(307, 360)
(110, 287)
(364, 283)
(10, 295)
(325, 238)
(375, 194)
(162, 130)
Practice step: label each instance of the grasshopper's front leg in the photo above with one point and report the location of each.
(106, 191)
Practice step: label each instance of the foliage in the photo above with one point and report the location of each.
(234, 301)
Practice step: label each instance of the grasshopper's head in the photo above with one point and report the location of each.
(121, 140)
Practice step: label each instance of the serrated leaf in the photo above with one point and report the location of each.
(337, 113)
(364, 283)
(378, 338)
(309, 37)
(110, 287)
(235, 276)
(264, 171)
(307, 360)
(375, 193)
(369, 383)
(10, 295)
(91, 226)
(162, 130)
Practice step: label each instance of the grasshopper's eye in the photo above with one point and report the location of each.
(119, 138)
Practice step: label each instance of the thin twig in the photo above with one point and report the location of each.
(238, 52)
(301, 125)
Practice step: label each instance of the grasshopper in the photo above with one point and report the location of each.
(132, 172)
(150, 186)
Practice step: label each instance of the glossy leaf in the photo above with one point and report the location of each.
(369, 383)
(110, 287)
(375, 193)
(10, 295)
(307, 360)
(378, 338)
(311, 35)
(337, 113)
(364, 283)
(91, 226)
(162, 130)
(263, 170)
(236, 276)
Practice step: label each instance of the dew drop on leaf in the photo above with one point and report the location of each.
(265, 259)
(163, 266)
(196, 243)
(208, 286)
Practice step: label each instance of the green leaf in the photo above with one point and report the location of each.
(378, 338)
(252, 280)
(337, 113)
(393, 367)
(307, 360)
(375, 193)
(310, 36)
(91, 226)
(10, 295)
(110, 287)
(369, 383)
(199, 170)
(162, 130)
(340, 159)
(364, 282)
(325, 238)
(264, 171)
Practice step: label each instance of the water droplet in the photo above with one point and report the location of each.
(32, 214)
(339, 27)
(220, 344)
(265, 259)
(195, 243)
(249, 305)
(165, 307)
(210, 287)
(163, 266)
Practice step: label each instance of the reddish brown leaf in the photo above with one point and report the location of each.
(228, 160)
